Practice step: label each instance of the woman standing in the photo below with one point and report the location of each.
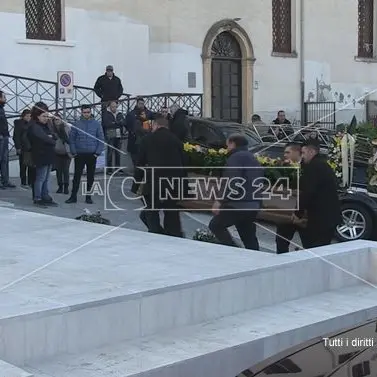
(20, 128)
(62, 151)
(42, 143)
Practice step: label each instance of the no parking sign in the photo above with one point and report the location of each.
(65, 84)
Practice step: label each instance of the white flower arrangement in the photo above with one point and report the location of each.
(205, 235)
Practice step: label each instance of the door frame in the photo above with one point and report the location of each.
(247, 66)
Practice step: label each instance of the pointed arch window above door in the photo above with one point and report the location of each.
(226, 46)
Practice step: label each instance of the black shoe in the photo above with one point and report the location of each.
(71, 200)
(9, 185)
(2, 187)
(40, 203)
(109, 171)
(66, 191)
(60, 189)
(88, 200)
(49, 202)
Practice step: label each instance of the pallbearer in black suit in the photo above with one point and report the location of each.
(318, 197)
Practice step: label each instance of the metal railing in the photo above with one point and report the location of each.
(321, 114)
(23, 92)
(286, 133)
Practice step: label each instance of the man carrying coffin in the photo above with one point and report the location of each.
(162, 157)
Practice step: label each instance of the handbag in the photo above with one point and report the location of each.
(61, 147)
(28, 159)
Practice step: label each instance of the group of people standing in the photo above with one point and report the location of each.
(45, 143)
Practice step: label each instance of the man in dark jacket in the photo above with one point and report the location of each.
(108, 87)
(138, 124)
(86, 143)
(283, 126)
(4, 145)
(20, 128)
(179, 123)
(163, 152)
(113, 128)
(318, 197)
(286, 231)
(241, 202)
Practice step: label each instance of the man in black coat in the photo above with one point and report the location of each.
(138, 125)
(4, 145)
(108, 87)
(318, 197)
(286, 231)
(162, 156)
(179, 123)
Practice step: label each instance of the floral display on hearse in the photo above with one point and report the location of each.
(366, 149)
(335, 155)
(210, 161)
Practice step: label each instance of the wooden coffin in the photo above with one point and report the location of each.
(277, 206)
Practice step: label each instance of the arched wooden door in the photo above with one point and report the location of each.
(226, 78)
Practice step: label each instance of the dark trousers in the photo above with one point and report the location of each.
(4, 160)
(284, 235)
(82, 161)
(24, 171)
(244, 221)
(172, 221)
(32, 176)
(113, 149)
(62, 163)
(316, 237)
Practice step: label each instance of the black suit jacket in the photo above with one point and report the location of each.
(162, 151)
(319, 195)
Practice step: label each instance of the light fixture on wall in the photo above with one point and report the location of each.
(256, 85)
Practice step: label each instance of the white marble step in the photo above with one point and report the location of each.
(87, 325)
(225, 347)
(9, 370)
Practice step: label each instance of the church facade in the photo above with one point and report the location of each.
(245, 56)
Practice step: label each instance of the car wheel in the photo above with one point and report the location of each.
(357, 223)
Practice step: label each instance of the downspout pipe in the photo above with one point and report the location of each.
(302, 64)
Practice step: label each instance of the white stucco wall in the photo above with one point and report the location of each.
(154, 45)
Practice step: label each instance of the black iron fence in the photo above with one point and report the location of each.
(23, 92)
(320, 114)
(371, 110)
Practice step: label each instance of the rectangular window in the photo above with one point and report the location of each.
(361, 370)
(344, 357)
(366, 28)
(43, 19)
(285, 366)
(282, 26)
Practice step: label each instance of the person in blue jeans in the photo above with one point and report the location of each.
(42, 143)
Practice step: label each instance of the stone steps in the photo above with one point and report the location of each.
(259, 333)
(90, 324)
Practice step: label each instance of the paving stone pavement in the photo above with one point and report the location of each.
(117, 208)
